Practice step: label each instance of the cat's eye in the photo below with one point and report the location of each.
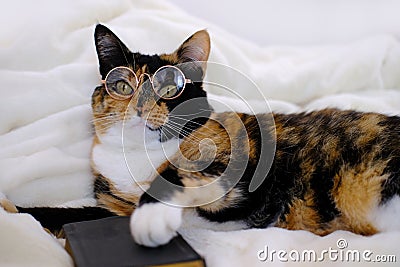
(123, 88)
(168, 82)
(120, 83)
(167, 91)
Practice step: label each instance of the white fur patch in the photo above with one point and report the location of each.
(133, 158)
(387, 217)
(191, 220)
(155, 224)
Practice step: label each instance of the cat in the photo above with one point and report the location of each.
(114, 189)
(332, 169)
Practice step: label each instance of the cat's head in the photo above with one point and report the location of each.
(129, 100)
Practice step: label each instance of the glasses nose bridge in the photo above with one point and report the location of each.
(140, 78)
(144, 92)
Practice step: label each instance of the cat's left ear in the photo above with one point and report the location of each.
(195, 48)
(111, 51)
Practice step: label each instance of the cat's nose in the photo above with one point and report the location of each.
(141, 111)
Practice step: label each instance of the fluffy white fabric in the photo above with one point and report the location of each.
(49, 70)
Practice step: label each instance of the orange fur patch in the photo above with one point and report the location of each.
(8, 206)
(357, 192)
(369, 128)
(301, 216)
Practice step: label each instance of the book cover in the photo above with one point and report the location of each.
(108, 242)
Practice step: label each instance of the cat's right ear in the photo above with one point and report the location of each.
(111, 51)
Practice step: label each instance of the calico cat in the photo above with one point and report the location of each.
(332, 169)
(116, 192)
(115, 188)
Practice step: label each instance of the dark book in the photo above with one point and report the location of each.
(108, 242)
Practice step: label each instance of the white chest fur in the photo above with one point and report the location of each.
(130, 155)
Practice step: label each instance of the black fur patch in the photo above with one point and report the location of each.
(162, 187)
(54, 218)
(101, 186)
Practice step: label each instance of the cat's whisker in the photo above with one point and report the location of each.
(182, 131)
(107, 114)
(180, 126)
(190, 139)
(105, 123)
(191, 121)
(105, 118)
(185, 133)
(189, 114)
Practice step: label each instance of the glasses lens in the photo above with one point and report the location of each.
(168, 82)
(120, 83)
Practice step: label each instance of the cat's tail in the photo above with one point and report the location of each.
(54, 218)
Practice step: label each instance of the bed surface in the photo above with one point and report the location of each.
(49, 70)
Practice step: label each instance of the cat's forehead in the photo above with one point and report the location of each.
(151, 63)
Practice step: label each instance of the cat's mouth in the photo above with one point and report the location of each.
(164, 133)
(151, 127)
(140, 123)
(162, 128)
(154, 122)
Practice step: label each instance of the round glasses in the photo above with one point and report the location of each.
(167, 82)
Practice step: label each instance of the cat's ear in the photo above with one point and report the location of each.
(111, 51)
(195, 48)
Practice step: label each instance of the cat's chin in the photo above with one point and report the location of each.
(140, 124)
(135, 122)
(132, 133)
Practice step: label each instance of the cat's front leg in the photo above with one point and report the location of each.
(154, 223)
(159, 213)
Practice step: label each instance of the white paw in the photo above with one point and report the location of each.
(155, 224)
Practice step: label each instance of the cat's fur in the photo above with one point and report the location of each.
(332, 169)
(114, 185)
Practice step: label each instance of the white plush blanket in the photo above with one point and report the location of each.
(48, 70)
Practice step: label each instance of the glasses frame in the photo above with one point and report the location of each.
(124, 97)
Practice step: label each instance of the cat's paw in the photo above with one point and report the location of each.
(155, 224)
(7, 205)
